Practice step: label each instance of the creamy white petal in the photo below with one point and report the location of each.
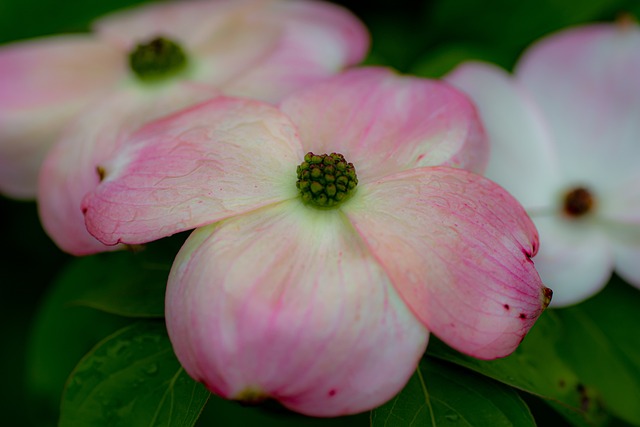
(575, 258)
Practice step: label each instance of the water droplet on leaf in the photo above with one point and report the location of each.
(152, 369)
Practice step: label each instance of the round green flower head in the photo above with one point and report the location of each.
(157, 59)
(325, 180)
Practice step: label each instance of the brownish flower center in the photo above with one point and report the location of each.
(578, 202)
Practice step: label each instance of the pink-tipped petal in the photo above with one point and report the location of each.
(457, 248)
(575, 258)
(523, 159)
(215, 160)
(316, 39)
(70, 170)
(288, 303)
(585, 81)
(385, 123)
(43, 84)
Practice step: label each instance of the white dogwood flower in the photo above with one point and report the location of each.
(565, 136)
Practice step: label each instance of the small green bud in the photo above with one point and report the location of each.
(325, 180)
(158, 59)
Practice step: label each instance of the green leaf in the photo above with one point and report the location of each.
(602, 344)
(61, 334)
(509, 26)
(440, 394)
(538, 367)
(31, 18)
(123, 284)
(128, 283)
(132, 378)
(227, 413)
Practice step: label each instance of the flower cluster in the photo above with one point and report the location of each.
(339, 214)
(325, 180)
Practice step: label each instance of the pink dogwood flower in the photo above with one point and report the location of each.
(565, 135)
(318, 285)
(261, 49)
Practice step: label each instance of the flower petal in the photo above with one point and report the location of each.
(317, 40)
(70, 169)
(287, 302)
(384, 123)
(222, 39)
(575, 258)
(627, 265)
(585, 81)
(215, 160)
(43, 83)
(188, 21)
(620, 214)
(522, 158)
(457, 248)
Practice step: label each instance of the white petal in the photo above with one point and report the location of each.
(628, 262)
(585, 80)
(575, 258)
(522, 159)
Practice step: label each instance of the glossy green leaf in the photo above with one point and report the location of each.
(440, 394)
(538, 367)
(61, 335)
(132, 378)
(227, 413)
(602, 344)
(124, 284)
(128, 283)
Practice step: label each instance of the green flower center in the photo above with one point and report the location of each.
(158, 59)
(578, 202)
(326, 180)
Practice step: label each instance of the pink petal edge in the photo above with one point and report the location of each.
(457, 248)
(70, 170)
(385, 123)
(218, 159)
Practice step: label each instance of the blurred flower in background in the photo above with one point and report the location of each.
(565, 140)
